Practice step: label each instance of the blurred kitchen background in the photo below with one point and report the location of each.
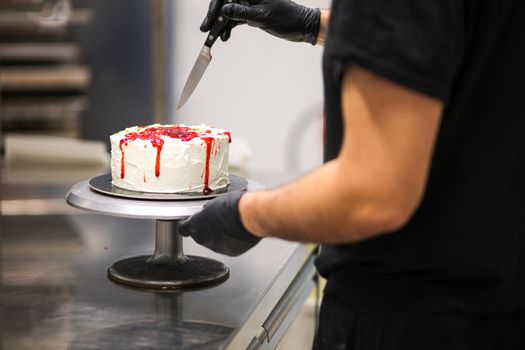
(81, 70)
(72, 72)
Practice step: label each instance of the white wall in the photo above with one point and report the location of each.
(259, 87)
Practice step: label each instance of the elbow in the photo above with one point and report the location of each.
(375, 204)
(394, 217)
(385, 214)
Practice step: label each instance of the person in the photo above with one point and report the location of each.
(420, 203)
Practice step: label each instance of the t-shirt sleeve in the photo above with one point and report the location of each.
(416, 43)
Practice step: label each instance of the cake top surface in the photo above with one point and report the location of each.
(158, 132)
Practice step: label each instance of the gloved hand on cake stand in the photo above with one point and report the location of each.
(219, 227)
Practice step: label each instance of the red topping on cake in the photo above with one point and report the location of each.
(184, 133)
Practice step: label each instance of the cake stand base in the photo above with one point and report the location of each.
(168, 267)
(196, 271)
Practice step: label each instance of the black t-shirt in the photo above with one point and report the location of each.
(464, 248)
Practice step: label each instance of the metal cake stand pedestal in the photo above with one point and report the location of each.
(168, 267)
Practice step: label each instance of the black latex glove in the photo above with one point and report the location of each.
(218, 226)
(282, 18)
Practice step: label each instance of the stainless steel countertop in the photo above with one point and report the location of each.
(55, 293)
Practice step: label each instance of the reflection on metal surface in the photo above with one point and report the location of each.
(154, 335)
(44, 265)
(167, 331)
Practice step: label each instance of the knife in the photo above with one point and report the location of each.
(204, 58)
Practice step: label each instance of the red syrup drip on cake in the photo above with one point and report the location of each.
(122, 167)
(157, 143)
(208, 141)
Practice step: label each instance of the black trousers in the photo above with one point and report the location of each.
(350, 328)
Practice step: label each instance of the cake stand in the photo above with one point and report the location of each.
(168, 267)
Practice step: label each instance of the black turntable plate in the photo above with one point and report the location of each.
(102, 184)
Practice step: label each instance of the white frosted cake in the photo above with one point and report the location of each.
(170, 158)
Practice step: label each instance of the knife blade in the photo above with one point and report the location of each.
(203, 60)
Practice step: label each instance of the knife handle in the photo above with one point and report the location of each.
(218, 27)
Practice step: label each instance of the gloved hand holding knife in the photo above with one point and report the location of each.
(281, 18)
(219, 225)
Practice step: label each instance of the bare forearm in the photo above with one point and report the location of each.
(323, 27)
(328, 205)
